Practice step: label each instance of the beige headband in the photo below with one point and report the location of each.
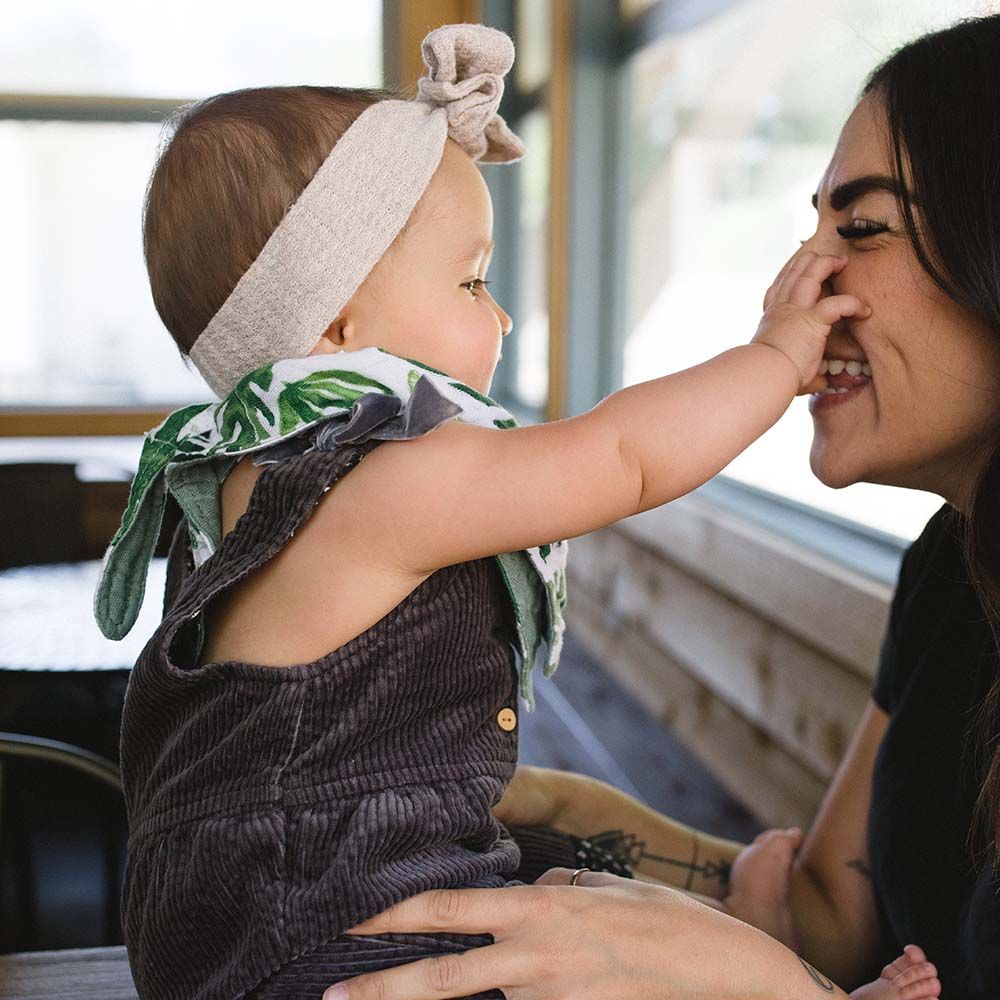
(356, 204)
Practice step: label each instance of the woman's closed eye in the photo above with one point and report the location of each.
(862, 227)
(474, 284)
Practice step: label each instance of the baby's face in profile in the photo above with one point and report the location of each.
(424, 299)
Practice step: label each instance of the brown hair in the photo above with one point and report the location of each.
(232, 167)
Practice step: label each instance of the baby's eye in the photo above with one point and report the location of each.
(474, 284)
(863, 227)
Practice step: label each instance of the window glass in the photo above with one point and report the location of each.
(80, 327)
(531, 381)
(186, 48)
(534, 44)
(732, 128)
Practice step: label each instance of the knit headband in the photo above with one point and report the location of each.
(357, 202)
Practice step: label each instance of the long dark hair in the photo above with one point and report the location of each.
(940, 93)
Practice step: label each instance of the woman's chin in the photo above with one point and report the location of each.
(833, 469)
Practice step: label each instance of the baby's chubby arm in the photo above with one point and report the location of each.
(464, 492)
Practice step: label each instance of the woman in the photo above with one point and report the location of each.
(905, 845)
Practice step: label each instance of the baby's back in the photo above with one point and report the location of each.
(338, 575)
(271, 809)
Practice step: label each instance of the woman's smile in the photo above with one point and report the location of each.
(847, 378)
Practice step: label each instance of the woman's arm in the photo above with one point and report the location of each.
(830, 895)
(604, 937)
(667, 851)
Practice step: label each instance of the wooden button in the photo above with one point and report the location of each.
(506, 719)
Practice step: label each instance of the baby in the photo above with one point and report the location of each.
(759, 896)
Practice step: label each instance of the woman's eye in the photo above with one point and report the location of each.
(474, 284)
(862, 227)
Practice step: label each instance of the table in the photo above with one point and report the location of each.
(77, 973)
(47, 620)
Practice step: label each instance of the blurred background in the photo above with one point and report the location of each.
(720, 650)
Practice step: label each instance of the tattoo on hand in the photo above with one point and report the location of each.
(818, 978)
(859, 866)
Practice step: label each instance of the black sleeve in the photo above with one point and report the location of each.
(904, 625)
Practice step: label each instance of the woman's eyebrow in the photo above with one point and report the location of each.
(477, 248)
(849, 191)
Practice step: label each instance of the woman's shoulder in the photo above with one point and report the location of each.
(934, 605)
(935, 558)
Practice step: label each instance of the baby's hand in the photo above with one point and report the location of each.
(759, 881)
(910, 977)
(797, 317)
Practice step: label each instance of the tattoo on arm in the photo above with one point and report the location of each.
(707, 869)
(627, 849)
(859, 866)
(818, 978)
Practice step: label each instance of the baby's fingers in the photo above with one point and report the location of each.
(793, 267)
(834, 307)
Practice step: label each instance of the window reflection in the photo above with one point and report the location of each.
(732, 128)
(79, 323)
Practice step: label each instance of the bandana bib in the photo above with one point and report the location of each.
(289, 407)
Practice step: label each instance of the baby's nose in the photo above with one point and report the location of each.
(506, 323)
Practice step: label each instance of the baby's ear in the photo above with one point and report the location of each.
(338, 335)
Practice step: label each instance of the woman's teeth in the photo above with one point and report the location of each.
(843, 376)
(834, 366)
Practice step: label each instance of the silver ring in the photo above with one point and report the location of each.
(577, 874)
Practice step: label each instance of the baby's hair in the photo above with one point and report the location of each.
(231, 167)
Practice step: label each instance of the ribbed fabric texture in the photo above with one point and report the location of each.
(272, 808)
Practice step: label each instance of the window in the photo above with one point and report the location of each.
(732, 127)
(80, 327)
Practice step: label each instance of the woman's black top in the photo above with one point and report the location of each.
(938, 662)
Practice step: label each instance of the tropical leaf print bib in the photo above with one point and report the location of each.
(353, 395)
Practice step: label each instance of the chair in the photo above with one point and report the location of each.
(41, 510)
(27, 865)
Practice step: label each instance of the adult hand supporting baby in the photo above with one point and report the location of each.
(604, 937)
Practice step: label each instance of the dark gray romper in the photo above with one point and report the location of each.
(270, 809)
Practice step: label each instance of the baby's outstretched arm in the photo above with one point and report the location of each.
(472, 492)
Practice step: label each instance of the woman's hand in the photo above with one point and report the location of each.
(604, 937)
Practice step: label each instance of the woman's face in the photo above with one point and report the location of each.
(930, 405)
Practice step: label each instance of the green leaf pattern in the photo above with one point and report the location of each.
(277, 401)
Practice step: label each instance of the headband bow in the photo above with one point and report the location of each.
(467, 64)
